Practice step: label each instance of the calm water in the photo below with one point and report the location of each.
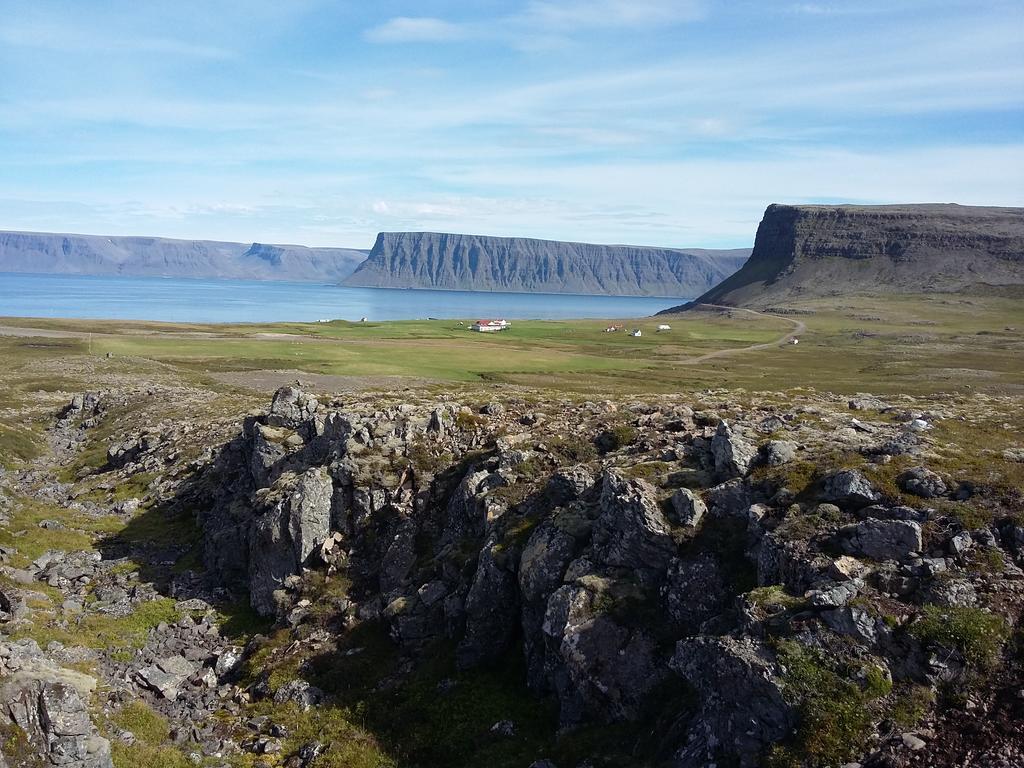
(215, 301)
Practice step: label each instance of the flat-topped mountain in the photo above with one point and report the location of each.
(477, 263)
(811, 251)
(164, 257)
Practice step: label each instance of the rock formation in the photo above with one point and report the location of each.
(40, 252)
(477, 263)
(812, 251)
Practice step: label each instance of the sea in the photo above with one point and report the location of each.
(250, 301)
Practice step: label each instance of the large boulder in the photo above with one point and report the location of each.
(492, 609)
(293, 520)
(849, 489)
(48, 705)
(922, 482)
(732, 454)
(687, 508)
(290, 407)
(599, 668)
(631, 530)
(883, 539)
(742, 708)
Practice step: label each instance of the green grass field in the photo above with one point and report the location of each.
(896, 344)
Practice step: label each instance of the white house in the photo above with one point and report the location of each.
(664, 327)
(490, 326)
(637, 332)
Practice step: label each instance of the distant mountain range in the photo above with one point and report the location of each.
(164, 257)
(442, 261)
(813, 251)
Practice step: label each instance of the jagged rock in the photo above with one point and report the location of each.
(849, 489)
(598, 667)
(568, 484)
(299, 692)
(855, 622)
(922, 482)
(167, 675)
(631, 531)
(729, 499)
(836, 595)
(742, 707)
(687, 508)
(290, 407)
(695, 591)
(399, 557)
(294, 521)
(732, 454)
(55, 721)
(492, 610)
(883, 539)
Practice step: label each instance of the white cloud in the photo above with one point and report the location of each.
(55, 37)
(407, 29)
(573, 14)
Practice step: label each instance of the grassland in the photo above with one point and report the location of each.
(916, 345)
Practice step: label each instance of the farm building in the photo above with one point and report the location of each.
(490, 326)
(664, 327)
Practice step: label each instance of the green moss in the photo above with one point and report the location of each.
(911, 705)
(152, 733)
(571, 449)
(978, 635)
(97, 630)
(17, 445)
(836, 716)
(648, 470)
(774, 597)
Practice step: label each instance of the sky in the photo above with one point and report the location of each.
(659, 122)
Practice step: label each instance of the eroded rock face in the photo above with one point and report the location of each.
(47, 704)
(292, 520)
(631, 530)
(742, 704)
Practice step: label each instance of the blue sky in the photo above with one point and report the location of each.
(665, 122)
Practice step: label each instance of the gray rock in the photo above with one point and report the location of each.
(836, 595)
(290, 407)
(292, 522)
(775, 453)
(742, 707)
(167, 675)
(732, 454)
(687, 508)
(492, 610)
(883, 539)
(631, 531)
(849, 489)
(695, 591)
(922, 482)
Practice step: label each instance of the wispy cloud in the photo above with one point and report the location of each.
(543, 23)
(406, 29)
(55, 37)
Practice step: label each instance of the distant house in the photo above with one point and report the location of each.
(613, 328)
(637, 332)
(490, 326)
(794, 341)
(664, 327)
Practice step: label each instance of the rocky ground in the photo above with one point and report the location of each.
(723, 578)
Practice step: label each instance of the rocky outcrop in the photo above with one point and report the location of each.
(479, 263)
(812, 251)
(41, 252)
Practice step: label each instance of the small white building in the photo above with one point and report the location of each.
(664, 327)
(636, 333)
(490, 326)
(794, 341)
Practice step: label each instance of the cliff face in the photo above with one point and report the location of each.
(163, 257)
(472, 262)
(816, 251)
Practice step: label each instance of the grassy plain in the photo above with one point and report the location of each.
(916, 345)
